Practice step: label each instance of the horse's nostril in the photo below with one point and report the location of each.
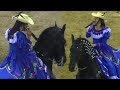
(65, 45)
(59, 64)
(72, 69)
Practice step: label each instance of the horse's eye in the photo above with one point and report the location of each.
(42, 55)
(65, 44)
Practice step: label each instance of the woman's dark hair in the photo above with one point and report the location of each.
(102, 22)
(15, 28)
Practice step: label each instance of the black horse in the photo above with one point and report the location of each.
(50, 46)
(83, 54)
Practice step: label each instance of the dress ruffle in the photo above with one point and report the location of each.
(21, 61)
(108, 57)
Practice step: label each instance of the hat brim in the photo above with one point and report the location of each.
(96, 15)
(29, 20)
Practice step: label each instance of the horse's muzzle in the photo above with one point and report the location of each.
(62, 61)
(71, 68)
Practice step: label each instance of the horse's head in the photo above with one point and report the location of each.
(59, 46)
(75, 51)
(51, 45)
(80, 51)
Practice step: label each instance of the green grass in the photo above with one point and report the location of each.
(75, 20)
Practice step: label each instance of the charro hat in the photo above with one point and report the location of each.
(99, 15)
(23, 18)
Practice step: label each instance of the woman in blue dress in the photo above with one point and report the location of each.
(108, 58)
(21, 61)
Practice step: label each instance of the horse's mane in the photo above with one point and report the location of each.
(87, 64)
(87, 46)
(48, 33)
(83, 39)
(46, 38)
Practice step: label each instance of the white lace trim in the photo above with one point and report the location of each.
(6, 33)
(113, 77)
(41, 62)
(11, 40)
(88, 28)
(100, 35)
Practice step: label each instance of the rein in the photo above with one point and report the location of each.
(81, 69)
(86, 46)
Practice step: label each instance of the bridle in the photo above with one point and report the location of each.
(46, 54)
(83, 42)
(81, 69)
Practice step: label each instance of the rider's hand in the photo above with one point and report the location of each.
(93, 45)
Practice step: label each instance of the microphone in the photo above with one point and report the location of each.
(90, 24)
(33, 35)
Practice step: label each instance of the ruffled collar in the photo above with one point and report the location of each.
(12, 39)
(97, 32)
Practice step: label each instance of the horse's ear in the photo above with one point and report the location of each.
(72, 36)
(64, 27)
(80, 36)
(55, 24)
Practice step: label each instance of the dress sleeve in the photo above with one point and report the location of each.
(107, 35)
(6, 33)
(22, 40)
(88, 33)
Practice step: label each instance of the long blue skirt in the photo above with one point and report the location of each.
(15, 66)
(108, 59)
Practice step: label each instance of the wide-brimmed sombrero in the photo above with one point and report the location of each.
(23, 18)
(99, 15)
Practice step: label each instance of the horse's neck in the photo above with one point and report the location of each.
(90, 54)
(88, 48)
(90, 67)
(88, 73)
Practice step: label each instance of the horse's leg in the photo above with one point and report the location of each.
(52, 76)
(78, 76)
(49, 65)
(100, 75)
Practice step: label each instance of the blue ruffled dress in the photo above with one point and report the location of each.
(108, 57)
(21, 61)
